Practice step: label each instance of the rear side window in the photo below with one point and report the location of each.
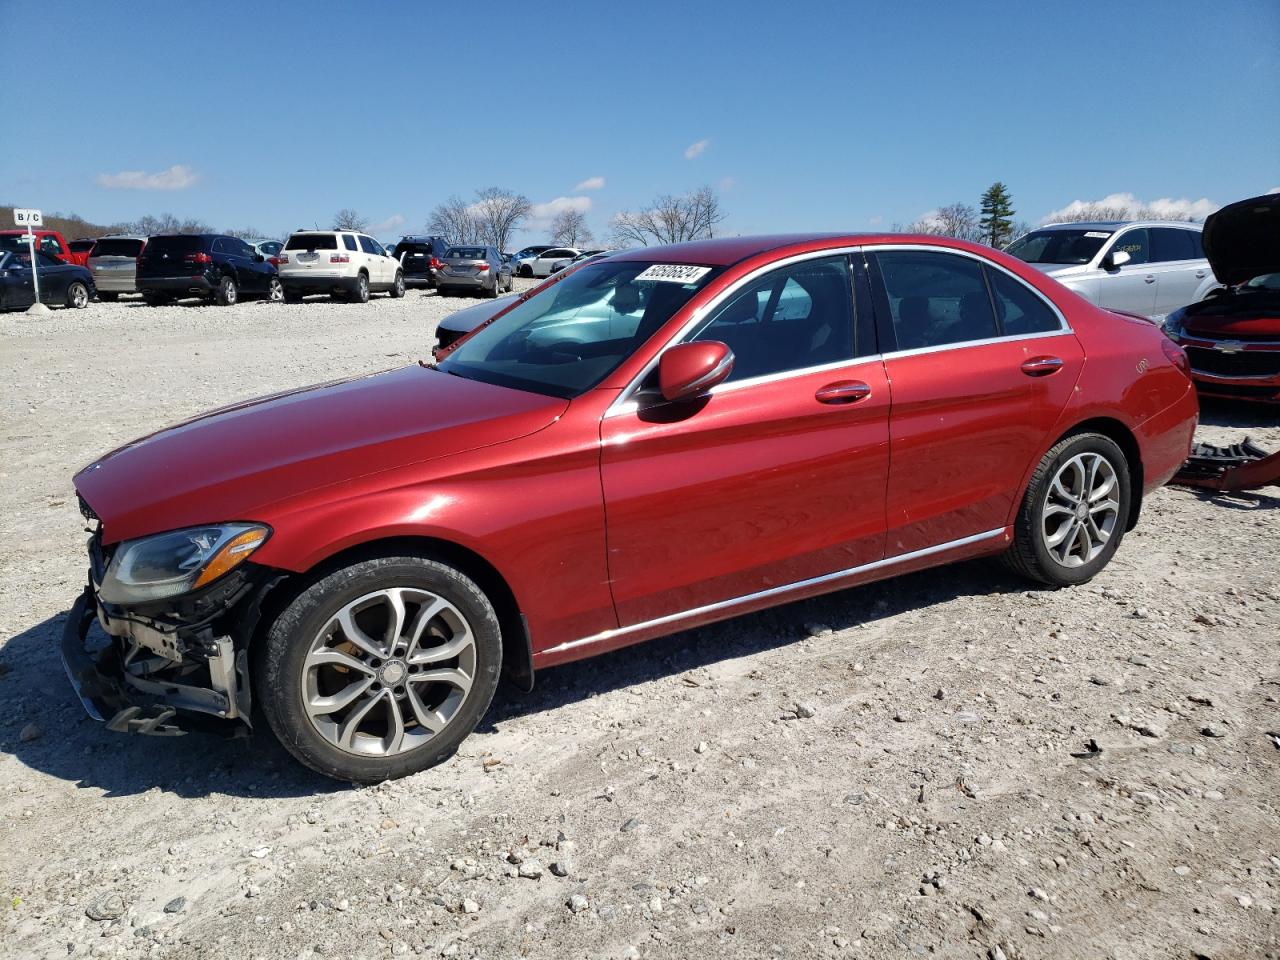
(1170, 243)
(1020, 310)
(117, 248)
(934, 299)
(348, 241)
(312, 241)
(791, 318)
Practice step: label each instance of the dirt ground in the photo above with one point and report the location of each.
(893, 771)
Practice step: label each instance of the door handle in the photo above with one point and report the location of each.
(843, 391)
(1148, 279)
(1041, 366)
(1199, 274)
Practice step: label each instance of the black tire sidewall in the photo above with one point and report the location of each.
(1052, 571)
(71, 294)
(360, 293)
(227, 292)
(278, 674)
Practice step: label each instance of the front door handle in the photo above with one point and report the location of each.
(843, 391)
(1041, 366)
(1199, 274)
(1148, 279)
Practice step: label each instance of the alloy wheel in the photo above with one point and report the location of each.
(79, 296)
(389, 671)
(275, 292)
(1080, 510)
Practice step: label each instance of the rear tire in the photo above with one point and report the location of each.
(360, 294)
(77, 295)
(350, 710)
(397, 288)
(1074, 513)
(275, 292)
(227, 293)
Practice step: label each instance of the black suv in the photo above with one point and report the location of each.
(420, 259)
(213, 267)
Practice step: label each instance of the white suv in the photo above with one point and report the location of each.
(1144, 267)
(337, 262)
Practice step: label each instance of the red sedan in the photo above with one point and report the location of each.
(664, 438)
(1233, 336)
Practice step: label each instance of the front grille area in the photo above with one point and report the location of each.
(85, 510)
(1247, 363)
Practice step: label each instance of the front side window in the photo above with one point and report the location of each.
(50, 246)
(935, 299)
(570, 335)
(1136, 244)
(792, 318)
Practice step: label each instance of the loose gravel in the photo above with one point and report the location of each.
(946, 764)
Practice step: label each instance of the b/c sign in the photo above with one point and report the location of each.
(28, 218)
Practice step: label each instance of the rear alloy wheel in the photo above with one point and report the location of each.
(497, 284)
(227, 292)
(380, 669)
(1074, 513)
(77, 295)
(397, 288)
(361, 293)
(275, 291)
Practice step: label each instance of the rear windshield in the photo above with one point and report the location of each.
(117, 248)
(1059, 246)
(312, 241)
(80, 246)
(465, 253)
(171, 245)
(403, 247)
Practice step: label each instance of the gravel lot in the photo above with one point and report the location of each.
(893, 771)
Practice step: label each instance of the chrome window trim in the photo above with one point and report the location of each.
(626, 403)
(774, 591)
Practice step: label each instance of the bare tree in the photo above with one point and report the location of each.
(348, 219)
(455, 220)
(669, 219)
(569, 229)
(245, 233)
(500, 213)
(151, 226)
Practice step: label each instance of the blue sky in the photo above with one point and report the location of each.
(812, 116)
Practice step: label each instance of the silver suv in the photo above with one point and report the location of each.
(1146, 267)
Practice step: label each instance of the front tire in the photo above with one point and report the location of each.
(227, 293)
(526, 271)
(77, 295)
(1074, 513)
(380, 669)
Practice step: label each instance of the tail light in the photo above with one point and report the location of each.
(274, 261)
(482, 267)
(283, 258)
(339, 258)
(436, 264)
(1176, 355)
(198, 258)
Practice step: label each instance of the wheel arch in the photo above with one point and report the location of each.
(517, 650)
(1124, 438)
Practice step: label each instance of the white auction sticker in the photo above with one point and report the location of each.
(1097, 235)
(674, 273)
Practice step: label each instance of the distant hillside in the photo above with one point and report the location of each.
(70, 226)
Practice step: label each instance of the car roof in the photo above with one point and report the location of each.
(1117, 224)
(122, 236)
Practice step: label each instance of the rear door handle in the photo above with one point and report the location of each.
(1148, 279)
(1041, 366)
(843, 391)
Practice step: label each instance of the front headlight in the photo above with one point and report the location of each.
(174, 563)
(1172, 325)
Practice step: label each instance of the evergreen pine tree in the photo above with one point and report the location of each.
(997, 215)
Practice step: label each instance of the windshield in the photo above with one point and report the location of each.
(569, 336)
(1059, 246)
(1268, 281)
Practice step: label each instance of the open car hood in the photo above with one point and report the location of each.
(1242, 240)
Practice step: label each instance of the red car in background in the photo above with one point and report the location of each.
(49, 242)
(1232, 337)
(664, 438)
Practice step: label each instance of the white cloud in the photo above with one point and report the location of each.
(591, 183)
(876, 220)
(543, 213)
(1274, 190)
(177, 177)
(387, 225)
(1126, 206)
(696, 149)
(727, 184)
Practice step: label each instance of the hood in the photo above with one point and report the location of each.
(468, 318)
(231, 463)
(1235, 313)
(1242, 240)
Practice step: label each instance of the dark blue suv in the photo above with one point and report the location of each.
(211, 266)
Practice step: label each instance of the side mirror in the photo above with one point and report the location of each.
(259, 258)
(1116, 259)
(689, 370)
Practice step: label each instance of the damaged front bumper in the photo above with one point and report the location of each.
(1240, 466)
(137, 677)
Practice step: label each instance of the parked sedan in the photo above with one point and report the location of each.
(540, 264)
(1233, 336)
(1148, 268)
(61, 284)
(113, 261)
(762, 419)
(473, 270)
